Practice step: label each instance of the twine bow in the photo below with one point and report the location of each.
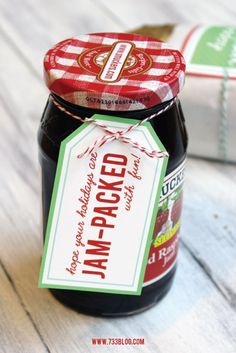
(120, 135)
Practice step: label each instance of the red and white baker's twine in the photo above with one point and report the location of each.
(118, 135)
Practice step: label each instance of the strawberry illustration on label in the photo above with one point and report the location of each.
(176, 208)
(162, 217)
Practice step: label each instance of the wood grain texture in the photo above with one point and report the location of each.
(41, 26)
(199, 314)
(132, 13)
(209, 222)
(17, 332)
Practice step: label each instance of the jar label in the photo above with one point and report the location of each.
(103, 210)
(163, 252)
(210, 51)
(114, 62)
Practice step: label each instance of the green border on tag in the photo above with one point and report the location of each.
(53, 204)
(215, 47)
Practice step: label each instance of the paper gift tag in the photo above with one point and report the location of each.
(103, 211)
(210, 50)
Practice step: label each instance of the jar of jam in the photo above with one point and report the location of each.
(128, 76)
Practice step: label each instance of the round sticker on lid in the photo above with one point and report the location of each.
(114, 71)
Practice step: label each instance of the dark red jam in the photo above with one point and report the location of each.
(170, 128)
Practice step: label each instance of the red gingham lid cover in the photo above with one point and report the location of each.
(114, 71)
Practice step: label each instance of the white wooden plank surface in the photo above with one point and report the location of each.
(209, 222)
(40, 26)
(199, 313)
(17, 332)
(132, 13)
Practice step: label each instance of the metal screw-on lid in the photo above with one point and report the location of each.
(114, 71)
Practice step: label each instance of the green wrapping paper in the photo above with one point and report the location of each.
(208, 99)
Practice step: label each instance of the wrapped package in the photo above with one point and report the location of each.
(209, 97)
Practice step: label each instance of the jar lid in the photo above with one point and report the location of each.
(114, 71)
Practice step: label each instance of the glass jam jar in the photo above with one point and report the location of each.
(128, 76)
